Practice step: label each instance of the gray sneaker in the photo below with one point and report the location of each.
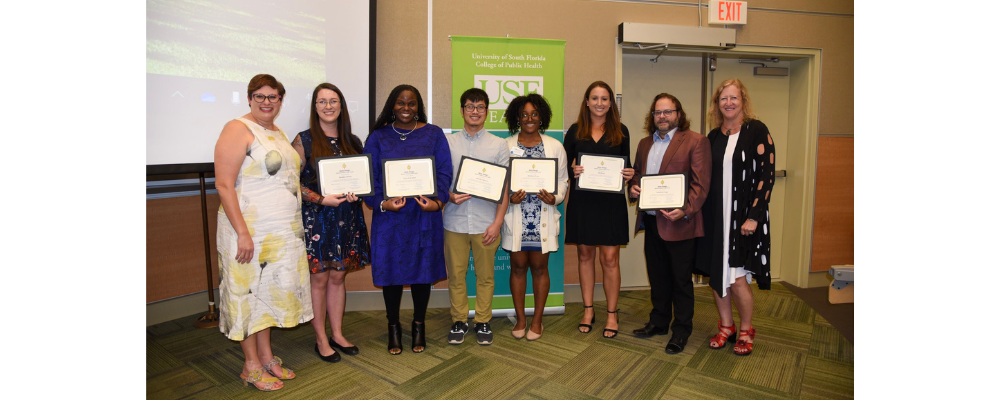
(484, 335)
(457, 333)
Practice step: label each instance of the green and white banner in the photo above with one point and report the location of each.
(506, 68)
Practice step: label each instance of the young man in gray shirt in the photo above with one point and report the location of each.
(472, 224)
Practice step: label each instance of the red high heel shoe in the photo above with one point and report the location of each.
(727, 334)
(742, 347)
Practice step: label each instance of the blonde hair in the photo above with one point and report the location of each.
(715, 114)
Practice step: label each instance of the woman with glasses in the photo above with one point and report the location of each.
(531, 224)
(737, 243)
(407, 233)
(261, 255)
(598, 130)
(336, 235)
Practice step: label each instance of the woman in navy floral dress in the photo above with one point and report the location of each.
(407, 233)
(335, 232)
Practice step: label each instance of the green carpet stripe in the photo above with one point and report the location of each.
(177, 384)
(661, 380)
(158, 359)
(314, 383)
(692, 384)
(549, 390)
(827, 379)
(829, 344)
(464, 376)
(605, 371)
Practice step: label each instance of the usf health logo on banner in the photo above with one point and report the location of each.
(504, 88)
(506, 68)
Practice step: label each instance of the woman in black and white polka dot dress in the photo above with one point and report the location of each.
(737, 243)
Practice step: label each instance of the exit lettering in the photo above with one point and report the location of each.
(727, 12)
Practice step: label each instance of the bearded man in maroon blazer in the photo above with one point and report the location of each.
(671, 148)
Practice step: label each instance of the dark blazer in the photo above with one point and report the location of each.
(688, 152)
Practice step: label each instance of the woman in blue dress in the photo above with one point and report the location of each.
(531, 225)
(407, 233)
(335, 233)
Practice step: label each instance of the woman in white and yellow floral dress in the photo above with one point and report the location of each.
(262, 258)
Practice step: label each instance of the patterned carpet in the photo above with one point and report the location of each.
(797, 354)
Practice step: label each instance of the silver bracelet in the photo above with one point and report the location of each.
(380, 206)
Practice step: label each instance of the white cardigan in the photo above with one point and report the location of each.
(510, 238)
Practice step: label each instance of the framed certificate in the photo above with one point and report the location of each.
(533, 174)
(346, 174)
(408, 177)
(663, 192)
(481, 179)
(601, 173)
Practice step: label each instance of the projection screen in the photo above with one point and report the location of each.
(200, 56)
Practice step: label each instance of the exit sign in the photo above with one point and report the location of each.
(721, 12)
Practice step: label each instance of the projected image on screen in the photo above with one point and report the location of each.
(229, 39)
(201, 54)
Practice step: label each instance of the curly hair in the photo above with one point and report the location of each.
(683, 123)
(612, 121)
(715, 113)
(386, 117)
(513, 113)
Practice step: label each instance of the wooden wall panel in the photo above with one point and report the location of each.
(175, 256)
(175, 249)
(833, 225)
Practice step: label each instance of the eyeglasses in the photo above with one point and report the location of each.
(260, 98)
(665, 113)
(526, 115)
(731, 98)
(324, 102)
(471, 108)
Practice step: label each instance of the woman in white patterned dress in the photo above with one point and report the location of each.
(262, 258)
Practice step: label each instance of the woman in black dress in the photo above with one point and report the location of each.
(737, 242)
(598, 220)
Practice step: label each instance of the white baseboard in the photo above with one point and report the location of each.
(171, 309)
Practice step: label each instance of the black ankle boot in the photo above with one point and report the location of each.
(395, 338)
(418, 338)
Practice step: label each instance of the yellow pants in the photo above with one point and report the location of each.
(456, 257)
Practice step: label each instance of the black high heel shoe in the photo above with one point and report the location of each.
(614, 332)
(349, 350)
(589, 326)
(332, 358)
(418, 338)
(395, 339)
